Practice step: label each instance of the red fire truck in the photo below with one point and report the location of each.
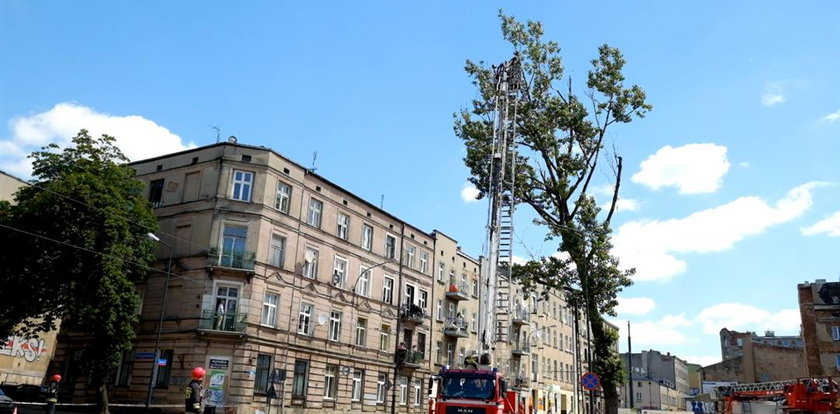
(472, 391)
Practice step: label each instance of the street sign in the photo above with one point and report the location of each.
(590, 381)
(388, 384)
(161, 362)
(144, 355)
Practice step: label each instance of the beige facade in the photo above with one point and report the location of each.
(819, 307)
(23, 360)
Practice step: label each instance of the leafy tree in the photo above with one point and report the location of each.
(75, 244)
(559, 140)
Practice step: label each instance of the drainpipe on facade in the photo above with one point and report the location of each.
(398, 326)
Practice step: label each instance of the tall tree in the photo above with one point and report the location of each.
(76, 243)
(560, 141)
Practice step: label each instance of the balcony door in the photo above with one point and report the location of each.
(227, 299)
(233, 246)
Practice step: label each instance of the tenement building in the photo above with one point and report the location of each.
(288, 288)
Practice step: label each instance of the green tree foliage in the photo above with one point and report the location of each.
(75, 244)
(560, 141)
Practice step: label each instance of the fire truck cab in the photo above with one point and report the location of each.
(471, 391)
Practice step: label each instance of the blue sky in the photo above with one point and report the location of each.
(731, 184)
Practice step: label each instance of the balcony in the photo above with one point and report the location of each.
(409, 359)
(520, 383)
(520, 347)
(237, 259)
(412, 314)
(222, 322)
(456, 327)
(521, 317)
(457, 290)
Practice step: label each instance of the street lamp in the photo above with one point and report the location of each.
(153, 376)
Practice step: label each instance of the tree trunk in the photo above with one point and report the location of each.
(103, 398)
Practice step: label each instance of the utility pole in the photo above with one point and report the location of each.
(630, 365)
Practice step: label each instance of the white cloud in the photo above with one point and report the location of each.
(830, 225)
(623, 204)
(772, 94)
(469, 193)
(833, 116)
(741, 317)
(635, 306)
(137, 137)
(693, 168)
(652, 246)
(661, 333)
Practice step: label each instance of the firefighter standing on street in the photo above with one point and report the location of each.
(195, 392)
(52, 393)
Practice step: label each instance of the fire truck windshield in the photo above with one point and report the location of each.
(468, 386)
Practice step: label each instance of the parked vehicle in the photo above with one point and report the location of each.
(7, 405)
(25, 392)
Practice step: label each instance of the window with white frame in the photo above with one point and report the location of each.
(441, 272)
(242, 183)
(385, 337)
(475, 322)
(234, 240)
(835, 333)
(409, 294)
(305, 319)
(363, 282)
(269, 309)
(450, 353)
(451, 311)
(343, 223)
(409, 256)
(390, 246)
(403, 390)
(358, 380)
(388, 289)
(330, 382)
(276, 255)
(475, 287)
(367, 236)
(424, 262)
(423, 300)
(284, 196)
(418, 395)
(340, 270)
(335, 326)
(361, 332)
(310, 263)
(439, 311)
(381, 379)
(316, 207)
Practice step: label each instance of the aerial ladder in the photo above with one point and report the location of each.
(800, 396)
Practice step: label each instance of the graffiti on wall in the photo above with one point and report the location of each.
(30, 349)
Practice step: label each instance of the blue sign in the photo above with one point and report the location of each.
(144, 355)
(590, 381)
(161, 362)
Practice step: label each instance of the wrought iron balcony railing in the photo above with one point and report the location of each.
(225, 322)
(236, 259)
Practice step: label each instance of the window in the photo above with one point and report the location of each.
(305, 319)
(740, 341)
(638, 396)
(124, 369)
(299, 381)
(441, 272)
(242, 181)
(361, 332)
(409, 294)
(367, 236)
(837, 361)
(233, 246)
(284, 196)
(424, 262)
(278, 249)
(388, 290)
(403, 390)
(418, 395)
(475, 287)
(409, 256)
(390, 246)
(363, 282)
(263, 368)
(227, 299)
(269, 310)
(385, 337)
(421, 344)
(475, 322)
(156, 192)
(335, 326)
(439, 312)
(358, 380)
(314, 217)
(343, 222)
(835, 333)
(165, 370)
(339, 271)
(380, 387)
(423, 300)
(438, 346)
(330, 383)
(310, 263)
(450, 353)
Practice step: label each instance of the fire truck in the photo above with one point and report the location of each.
(473, 391)
(800, 396)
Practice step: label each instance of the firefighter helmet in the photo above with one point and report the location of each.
(56, 378)
(198, 373)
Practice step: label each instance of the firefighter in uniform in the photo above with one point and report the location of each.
(52, 393)
(194, 392)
